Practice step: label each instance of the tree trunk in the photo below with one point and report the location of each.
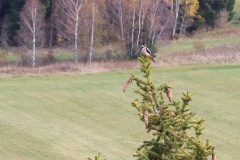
(51, 38)
(182, 24)
(121, 24)
(76, 39)
(69, 25)
(133, 28)
(92, 32)
(139, 23)
(34, 38)
(183, 18)
(152, 31)
(177, 5)
(51, 31)
(172, 5)
(153, 37)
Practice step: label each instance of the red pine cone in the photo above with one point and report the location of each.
(214, 157)
(173, 114)
(125, 86)
(146, 115)
(169, 94)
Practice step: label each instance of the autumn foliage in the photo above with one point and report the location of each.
(81, 26)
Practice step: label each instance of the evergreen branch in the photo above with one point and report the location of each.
(169, 125)
(138, 80)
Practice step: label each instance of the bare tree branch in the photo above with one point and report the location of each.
(69, 21)
(32, 25)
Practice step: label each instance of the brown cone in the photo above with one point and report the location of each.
(146, 115)
(169, 94)
(125, 86)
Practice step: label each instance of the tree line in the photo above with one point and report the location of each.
(83, 25)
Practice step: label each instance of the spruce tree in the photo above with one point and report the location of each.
(10, 12)
(209, 10)
(230, 8)
(171, 122)
(97, 157)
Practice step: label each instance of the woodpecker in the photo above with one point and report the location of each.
(146, 52)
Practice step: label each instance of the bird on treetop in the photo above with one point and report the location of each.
(146, 52)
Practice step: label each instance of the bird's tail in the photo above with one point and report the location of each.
(153, 60)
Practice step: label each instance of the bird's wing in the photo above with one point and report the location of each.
(148, 50)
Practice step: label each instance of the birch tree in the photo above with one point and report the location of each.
(117, 18)
(189, 11)
(120, 9)
(159, 18)
(68, 20)
(133, 29)
(176, 13)
(171, 1)
(153, 16)
(92, 31)
(32, 26)
(139, 22)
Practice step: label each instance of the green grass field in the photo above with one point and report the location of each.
(73, 116)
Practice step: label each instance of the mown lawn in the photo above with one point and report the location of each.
(73, 116)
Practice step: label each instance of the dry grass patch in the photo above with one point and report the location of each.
(226, 53)
(62, 67)
(226, 30)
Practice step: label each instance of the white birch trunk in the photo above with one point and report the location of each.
(172, 5)
(32, 25)
(153, 37)
(76, 39)
(92, 31)
(139, 23)
(177, 5)
(142, 20)
(70, 9)
(133, 26)
(121, 24)
(152, 31)
(34, 16)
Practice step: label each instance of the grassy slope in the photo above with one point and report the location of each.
(75, 116)
(187, 44)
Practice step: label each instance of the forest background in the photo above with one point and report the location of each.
(65, 33)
